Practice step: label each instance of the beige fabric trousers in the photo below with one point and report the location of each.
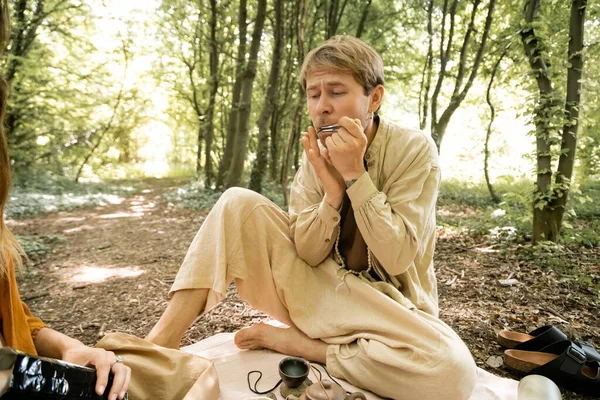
(377, 339)
(161, 373)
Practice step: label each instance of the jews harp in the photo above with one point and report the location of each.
(327, 130)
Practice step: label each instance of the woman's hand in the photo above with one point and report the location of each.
(50, 343)
(104, 362)
(4, 380)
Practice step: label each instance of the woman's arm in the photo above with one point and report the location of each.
(50, 343)
(4, 380)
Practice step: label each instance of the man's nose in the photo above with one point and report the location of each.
(324, 105)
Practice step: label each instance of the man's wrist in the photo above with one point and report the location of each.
(334, 201)
(350, 178)
(350, 183)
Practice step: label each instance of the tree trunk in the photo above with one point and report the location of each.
(544, 224)
(542, 221)
(427, 69)
(200, 143)
(297, 109)
(549, 203)
(274, 166)
(572, 106)
(24, 32)
(334, 16)
(232, 125)
(290, 84)
(288, 153)
(486, 151)
(297, 151)
(459, 94)
(363, 19)
(236, 169)
(213, 88)
(444, 58)
(260, 164)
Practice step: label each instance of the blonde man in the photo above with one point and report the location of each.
(350, 268)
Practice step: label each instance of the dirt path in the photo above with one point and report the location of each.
(117, 262)
(114, 268)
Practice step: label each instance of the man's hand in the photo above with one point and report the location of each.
(104, 362)
(332, 181)
(347, 148)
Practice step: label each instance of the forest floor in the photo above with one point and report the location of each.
(111, 267)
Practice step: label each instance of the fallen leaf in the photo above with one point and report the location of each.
(495, 361)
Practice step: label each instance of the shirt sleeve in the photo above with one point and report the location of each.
(394, 222)
(34, 323)
(314, 224)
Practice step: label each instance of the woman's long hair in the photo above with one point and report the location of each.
(10, 250)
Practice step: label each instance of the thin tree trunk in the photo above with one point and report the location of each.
(232, 126)
(486, 151)
(274, 148)
(363, 19)
(24, 32)
(569, 135)
(334, 16)
(543, 223)
(236, 169)
(288, 153)
(297, 147)
(200, 143)
(439, 126)
(442, 73)
(280, 109)
(298, 108)
(260, 164)
(213, 89)
(427, 70)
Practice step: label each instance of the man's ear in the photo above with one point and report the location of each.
(376, 98)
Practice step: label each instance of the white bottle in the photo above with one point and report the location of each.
(537, 387)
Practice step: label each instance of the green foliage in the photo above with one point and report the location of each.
(195, 196)
(464, 206)
(544, 254)
(68, 102)
(46, 196)
(38, 248)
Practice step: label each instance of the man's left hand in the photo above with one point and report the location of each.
(347, 148)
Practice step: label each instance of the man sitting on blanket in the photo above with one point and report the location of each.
(350, 268)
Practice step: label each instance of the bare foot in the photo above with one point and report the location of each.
(290, 341)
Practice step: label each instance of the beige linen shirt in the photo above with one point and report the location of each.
(394, 207)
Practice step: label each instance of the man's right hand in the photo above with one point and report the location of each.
(330, 178)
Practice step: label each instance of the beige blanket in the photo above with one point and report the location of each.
(233, 365)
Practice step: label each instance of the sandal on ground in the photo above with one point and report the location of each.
(564, 362)
(535, 340)
(540, 338)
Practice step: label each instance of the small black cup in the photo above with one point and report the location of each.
(293, 371)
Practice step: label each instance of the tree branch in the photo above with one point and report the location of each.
(464, 50)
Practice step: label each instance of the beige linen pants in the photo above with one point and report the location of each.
(377, 339)
(161, 373)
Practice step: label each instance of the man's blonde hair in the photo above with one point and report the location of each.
(345, 54)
